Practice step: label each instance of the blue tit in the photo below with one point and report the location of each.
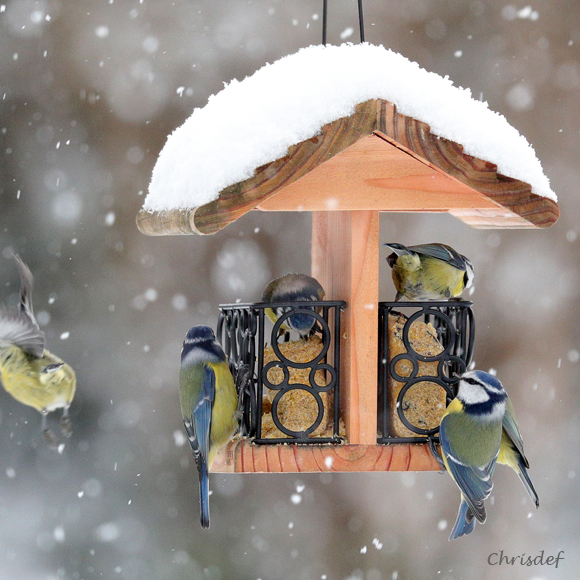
(470, 435)
(209, 401)
(30, 373)
(511, 451)
(429, 272)
(291, 288)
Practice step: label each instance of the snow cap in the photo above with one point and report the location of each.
(253, 122)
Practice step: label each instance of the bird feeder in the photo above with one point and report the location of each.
(375, 159)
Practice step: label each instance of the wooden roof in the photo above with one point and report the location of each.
(375, 159)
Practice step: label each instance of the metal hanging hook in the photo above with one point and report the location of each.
(325, 20)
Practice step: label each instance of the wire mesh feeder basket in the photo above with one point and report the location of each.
(423, 347)
(289, 390)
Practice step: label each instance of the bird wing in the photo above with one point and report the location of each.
(22, 333)
(399, 249)
(511, 430)
(441, 252)
(26, 280)
(198, 425)
(473, 481)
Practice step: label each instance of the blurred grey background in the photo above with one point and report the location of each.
(89, 91)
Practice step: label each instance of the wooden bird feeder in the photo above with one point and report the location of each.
(375, 160)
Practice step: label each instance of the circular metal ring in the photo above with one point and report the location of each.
(401, 396)
(276, 418)
(312, 378)
(325, 338)
(282, 384)
(405, 357)
(438, 314)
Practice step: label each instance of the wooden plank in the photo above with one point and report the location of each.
(374, 174)
(448, 156)
(237, 199)
(167, 223)
(323, 458)
(491, 219)
(345, 260)
(409, 135)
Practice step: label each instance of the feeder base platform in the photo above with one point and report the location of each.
(243, 456)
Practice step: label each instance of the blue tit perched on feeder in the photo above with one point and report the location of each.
(31, 373)
(429, 272)
(209, 401)
(470, 435)
(511, 451)
(291, 288)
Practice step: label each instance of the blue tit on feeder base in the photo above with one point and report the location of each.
(291, 288)
(511, 451)
(209, 401)
(470, 435)
(31, 373)
(429, 272)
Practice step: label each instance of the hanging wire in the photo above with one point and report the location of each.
(360, 21)
(324, 15)
(325, 20)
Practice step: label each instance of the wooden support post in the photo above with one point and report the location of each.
(345, 260)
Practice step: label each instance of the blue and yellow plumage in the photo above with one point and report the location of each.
(470, 435)
(31, 373)
(478, 431)
(429, 272)
(209, 401)
(511, 451)
(293, 288)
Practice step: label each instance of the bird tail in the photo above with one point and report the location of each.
(203, 494)
(465, 522)
(525, 479)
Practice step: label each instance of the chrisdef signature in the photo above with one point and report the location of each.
(499, 559)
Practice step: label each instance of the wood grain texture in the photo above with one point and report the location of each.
(448, 156)
(374, 174)
(167, 223)
(242, 456)
(236, 200)
(345, 260)
(516, 205)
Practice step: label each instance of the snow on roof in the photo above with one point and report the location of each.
(253, 122)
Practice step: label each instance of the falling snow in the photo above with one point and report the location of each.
(346, 33)
(88, 93)
(110, 218)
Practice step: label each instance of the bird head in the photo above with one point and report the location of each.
(199, 334)
(292, 287)
(482, 395)
(469, 274)
(201, 339)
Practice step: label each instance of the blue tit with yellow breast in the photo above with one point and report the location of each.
(511, 451)
(470, 435)
(31, 373)
(429, 272)
(209, 401)
(292, 288)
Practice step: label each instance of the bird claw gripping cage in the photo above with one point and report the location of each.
(283, 398)
(423, 348)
